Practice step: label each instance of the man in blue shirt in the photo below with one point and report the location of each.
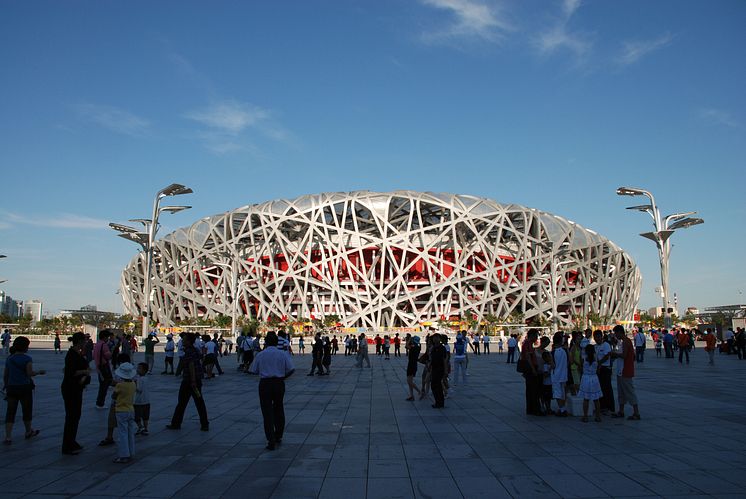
(273, 366)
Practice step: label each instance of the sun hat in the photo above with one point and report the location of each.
(125, 371)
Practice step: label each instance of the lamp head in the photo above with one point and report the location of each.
(175, 190)
(144, 221)
(642, 207)
(123, 228)
(687, 222)
(3, 256)
(630, 191)
(173, 209)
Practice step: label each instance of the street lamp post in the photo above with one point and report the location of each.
(146, 240)
(664, 229)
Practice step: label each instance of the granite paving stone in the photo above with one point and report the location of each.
(352, 435)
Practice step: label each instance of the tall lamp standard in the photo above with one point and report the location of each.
(146, 240)
(664, 229)
(4, 280)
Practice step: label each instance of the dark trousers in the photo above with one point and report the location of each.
(103, 386)
(169, 362)
(216, 361)
(683, 351)
(397, 350)
(640, 354)
(741, 349)
(185, 393)
(271, 395)
(179, 366)
(668, 347)
(316, 365)
(487, 348)
(73, 408)
(533, 385)
(511, 355)
(604, 378)
(436, 385)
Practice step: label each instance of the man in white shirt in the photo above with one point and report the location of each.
(486, 343)
(603, 357)
(272, 366)
(169, 350)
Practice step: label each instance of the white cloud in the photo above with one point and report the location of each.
(115, 119)
(230, 116)
(227, 125)
(58, 221)
(719, 117)
(560, 37)
(634, 50)
(472, 19)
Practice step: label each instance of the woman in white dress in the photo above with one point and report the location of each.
(590, 387)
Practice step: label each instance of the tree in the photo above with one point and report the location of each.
(24, 324)
(689, 320)
(223, 321)
(491, 320)
(331, 320)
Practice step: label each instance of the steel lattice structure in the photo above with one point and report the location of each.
(385, 259)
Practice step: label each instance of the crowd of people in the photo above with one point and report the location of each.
(584, 364)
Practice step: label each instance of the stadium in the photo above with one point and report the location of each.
(385, 259)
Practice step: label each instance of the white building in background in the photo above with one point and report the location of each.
(34, 308)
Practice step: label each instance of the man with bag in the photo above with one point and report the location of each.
(102, 359)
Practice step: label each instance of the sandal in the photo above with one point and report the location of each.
(634, 417)
(105, 442)
(31, 434)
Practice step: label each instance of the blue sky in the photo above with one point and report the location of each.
(552, 105)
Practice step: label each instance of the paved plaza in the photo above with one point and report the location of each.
(352, 435)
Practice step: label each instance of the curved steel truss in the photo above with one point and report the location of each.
(385, 259)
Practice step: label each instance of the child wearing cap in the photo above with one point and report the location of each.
(124, 397)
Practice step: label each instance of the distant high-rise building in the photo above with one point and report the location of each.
(34, 308)
(8, 305)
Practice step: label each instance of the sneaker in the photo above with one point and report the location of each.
(138, 432)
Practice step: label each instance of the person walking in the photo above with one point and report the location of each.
(459, 358)
(438, 369)
(150, 343)
(740, 341)
(413, 355)
(5, 337)
(317, 354)
(302, 345)
(326, 359)
(19, 387)
(57, 343)
(77, 375)
(386, 346)
(362, 352)
(710, 346)
(102, 357)
(625, 386)
(191, 386)
(668, 343)
(486, 343)
(682, 340)
(397, 345)
(273, 366)
(169, 350)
